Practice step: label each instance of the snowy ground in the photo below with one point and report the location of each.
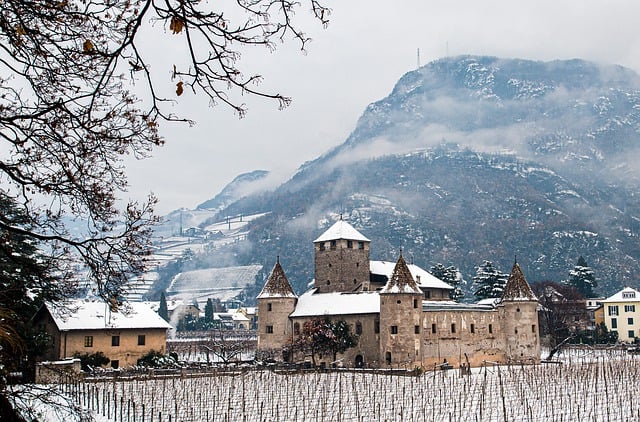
(587, 385)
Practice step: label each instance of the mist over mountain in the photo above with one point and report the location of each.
(469, 159)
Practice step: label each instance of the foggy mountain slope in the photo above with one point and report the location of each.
(473, 158)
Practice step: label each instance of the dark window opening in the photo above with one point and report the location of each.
(115, 340)
(269, 329)
(269, 307)
(115, 364)
(394, 329)
(415, 303)
(142, 339)
(416, 329)
(376, 326)
(349, 244)
(88, 341)
(360, 245)
(453, 328)
(358, 328)
(296, 329)
(490, 329)
(433, 328)
(333, 245)
(473, 328)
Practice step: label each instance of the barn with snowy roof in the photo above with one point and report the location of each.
(401, 315)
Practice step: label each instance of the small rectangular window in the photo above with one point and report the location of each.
(394, 329)
(360, 245)
(473, 328)
(629, 321)
(376, 326)
(142, 339)
(453, 328)
(629, 308)
(632, 334)
(613, 310)
(416, 329)
(115, 364)
(433, 328)
(269, 329)
(427, 294)
(415, 303)
(332, 245)
(358, 328)
(533, 328)
(614, 322)
(88, 341)
(115, 340)
(269, 307)
(349, 244)
(490, 329)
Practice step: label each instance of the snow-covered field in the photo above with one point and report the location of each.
(587, 385)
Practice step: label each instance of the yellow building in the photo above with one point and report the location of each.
(85, 327)
(622, 314)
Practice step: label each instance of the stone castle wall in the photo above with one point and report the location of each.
(340, 268)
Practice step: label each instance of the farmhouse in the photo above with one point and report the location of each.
(401, 314)
(622, 314)
(83, 327)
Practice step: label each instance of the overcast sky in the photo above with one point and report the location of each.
(367, 47)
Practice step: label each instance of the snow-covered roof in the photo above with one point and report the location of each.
(628, 294)
(401, 281)
(277, 284)
(517, 288)
(95, 315)
(235, 316)
(341, 230)
(423, 278)
(311, 303)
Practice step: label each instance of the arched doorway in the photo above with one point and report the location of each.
(359, 361)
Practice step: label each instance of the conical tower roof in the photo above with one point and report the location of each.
(277, 284)
(341, 230)
(401, 280)
(517, 287)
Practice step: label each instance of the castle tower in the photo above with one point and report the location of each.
(341, 259)
(400, 318)
(276, 301)
(519, 314)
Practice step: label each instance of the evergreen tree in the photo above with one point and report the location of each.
(163, 311)
(208, 311)
(489, 281)
(583, 278)
(452, 276)
(28, 278)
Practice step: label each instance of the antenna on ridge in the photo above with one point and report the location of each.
(418, 58)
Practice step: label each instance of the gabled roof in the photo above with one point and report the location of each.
(311, 303)
(627, 294)
(423, 278)
(517, 287)
(401, 280)
(277, 284)
(341, 230)
(95, 315)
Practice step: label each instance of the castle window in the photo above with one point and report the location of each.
(433, 328)
(427, 294)
(349, 244)
(453, 328)
(328, 282)
(515, 331)
(269, 307)
(416, 329)
(115, 341)
(376, 326)
(358, 328)
(355, 281)
(399, 302)
(269, 329)
(322, 246)
(360, 245)
(296, 329)
(394, 329)
(88, 341)
(533, 328)
(490, 329)
(333, 245)
(387, 357)
(473, 329)
(142, 340)
(357, 265)
(517, 309)
(415, 303)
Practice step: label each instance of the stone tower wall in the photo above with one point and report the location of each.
(274, 326)
(404, 312)
(340, 268)
(521, 330)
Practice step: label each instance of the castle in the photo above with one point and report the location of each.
(402, 315)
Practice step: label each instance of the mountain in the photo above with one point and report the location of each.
(475, 158)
